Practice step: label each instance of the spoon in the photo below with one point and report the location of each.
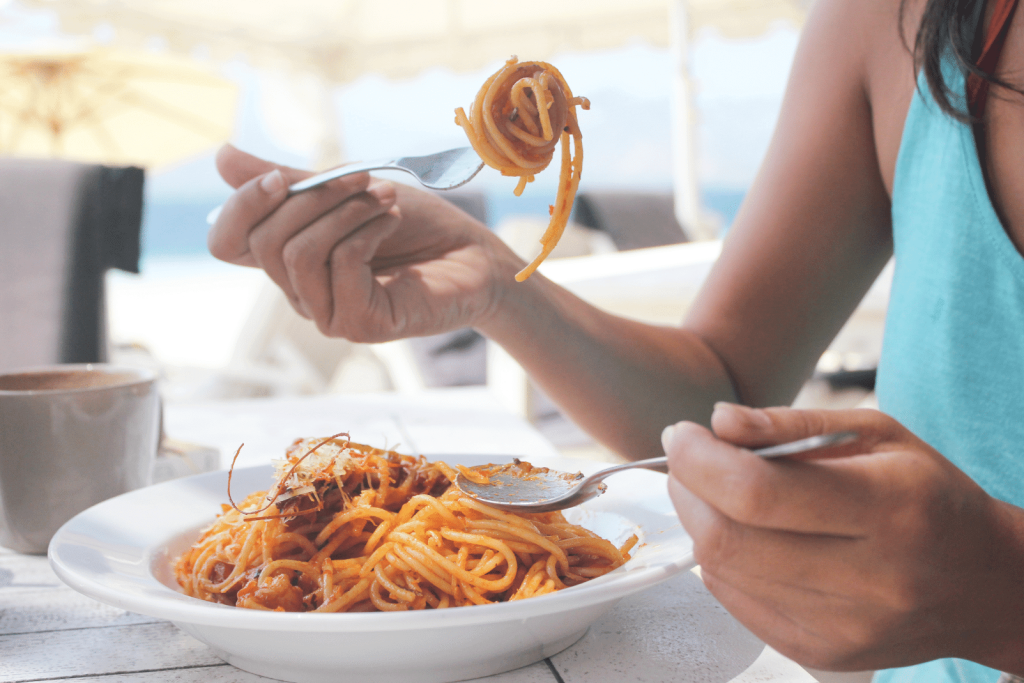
(544, 490)
(439, 171)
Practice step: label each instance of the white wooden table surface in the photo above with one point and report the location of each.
(673, 632)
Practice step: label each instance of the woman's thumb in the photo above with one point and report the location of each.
(757, 427)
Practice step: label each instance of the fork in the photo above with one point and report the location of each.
(445, 170)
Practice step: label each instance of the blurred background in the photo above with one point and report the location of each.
(684, 93)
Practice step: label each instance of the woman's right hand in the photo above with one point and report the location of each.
(366, 259)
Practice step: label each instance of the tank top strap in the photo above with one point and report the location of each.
(992, 47)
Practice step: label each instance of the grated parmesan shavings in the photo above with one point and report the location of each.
(330, 460)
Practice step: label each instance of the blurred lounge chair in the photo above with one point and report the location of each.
(62, 226)
(472, 202)
(658, 285)
(281, 353)
(633, 220)
(288, 354)
(623, 251)
(603, 222)
(456, 358)
(654, 285)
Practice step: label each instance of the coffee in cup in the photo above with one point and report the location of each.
(71, 436)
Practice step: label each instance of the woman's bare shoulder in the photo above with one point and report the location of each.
(870, 42)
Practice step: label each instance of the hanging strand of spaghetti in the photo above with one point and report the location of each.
(520, 114)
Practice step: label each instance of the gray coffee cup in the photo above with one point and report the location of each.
(71, 436)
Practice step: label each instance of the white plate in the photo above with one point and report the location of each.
(120, 551)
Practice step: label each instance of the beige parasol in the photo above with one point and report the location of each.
(111, 107)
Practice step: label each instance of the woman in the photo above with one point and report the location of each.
(905, 547)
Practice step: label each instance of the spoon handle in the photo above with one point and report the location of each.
(660, 464)
(809, 444)
(778, 451)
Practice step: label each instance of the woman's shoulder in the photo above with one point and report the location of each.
(866, 47)
(868, 31)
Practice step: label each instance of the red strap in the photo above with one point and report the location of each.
(995, 37)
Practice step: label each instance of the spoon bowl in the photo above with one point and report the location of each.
(522, 488)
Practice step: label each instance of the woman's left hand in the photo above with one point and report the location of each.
(875, 554)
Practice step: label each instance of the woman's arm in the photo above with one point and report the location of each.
(812, 235)
(814, 230)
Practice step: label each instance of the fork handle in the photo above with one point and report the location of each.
(321, 178)
(348, 169)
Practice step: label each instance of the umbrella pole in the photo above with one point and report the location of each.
(684, 159)
(331, 148)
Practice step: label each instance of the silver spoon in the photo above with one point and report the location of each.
(440, 171)
(545, 491)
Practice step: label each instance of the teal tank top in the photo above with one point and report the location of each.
(952, 365)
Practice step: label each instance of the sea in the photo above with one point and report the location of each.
(175, 227)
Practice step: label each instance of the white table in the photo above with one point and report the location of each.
(673, 632)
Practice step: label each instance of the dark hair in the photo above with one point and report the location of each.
(948, 29)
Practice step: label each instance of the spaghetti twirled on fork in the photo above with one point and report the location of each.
(348, 527)
(518, 116)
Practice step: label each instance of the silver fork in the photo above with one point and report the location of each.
(445, 170)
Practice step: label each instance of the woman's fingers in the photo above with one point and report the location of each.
(803, 626)
(819, 599)
(872, 615)
(369, 313)
(228, 238)
(288, 239)
(765, 560)
(769, 622)
(756, 427)
(338, 310)
(335, 253)
(261, 188)
(306, 256)
(837, 496)
(261, 217)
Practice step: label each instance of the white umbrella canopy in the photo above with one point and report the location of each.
(745, 18)
(112, 107)
(342, 40)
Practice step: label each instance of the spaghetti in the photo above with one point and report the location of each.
(518, 116)
(516, 468)
(348, 527)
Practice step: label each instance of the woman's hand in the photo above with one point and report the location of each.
(366, 260)
(876, 554)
